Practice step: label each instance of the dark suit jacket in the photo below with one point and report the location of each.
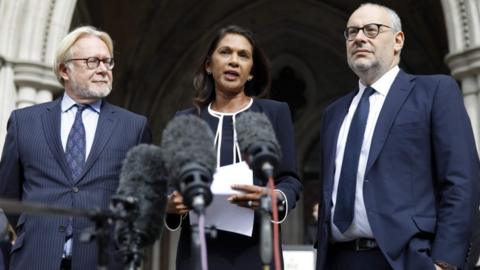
(235, 251)
(421, 180)
(33, 169)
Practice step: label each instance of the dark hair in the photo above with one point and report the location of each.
(257, 87)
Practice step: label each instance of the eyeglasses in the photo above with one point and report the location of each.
(94, 62)
(370, 30)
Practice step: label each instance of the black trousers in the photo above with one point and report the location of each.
(348, 259)
(66, 264)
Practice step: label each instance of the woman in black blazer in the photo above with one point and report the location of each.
(233, 74)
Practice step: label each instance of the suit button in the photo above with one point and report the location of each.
(366, 181)
(61, 228)
(75, 189)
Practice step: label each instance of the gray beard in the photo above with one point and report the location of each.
(88, 93)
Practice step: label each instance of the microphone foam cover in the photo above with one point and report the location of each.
(143, 178)
(255, 128)
(187, 139)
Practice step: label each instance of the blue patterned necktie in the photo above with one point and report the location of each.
(75, 153)
(75, 150)
(344, 207)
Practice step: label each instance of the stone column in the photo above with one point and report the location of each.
(30, 32)
(8, 95)
(33, 81)
(462, 18)
(465, 67)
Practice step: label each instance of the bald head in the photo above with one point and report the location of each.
(375, 41)
(395, 21)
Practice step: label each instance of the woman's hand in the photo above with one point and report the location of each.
(175, 204)
(250, 198)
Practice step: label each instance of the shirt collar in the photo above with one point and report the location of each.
(68, 102)
(383, 84)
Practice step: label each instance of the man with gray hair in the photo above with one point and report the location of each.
(400, 169)
(68, 153)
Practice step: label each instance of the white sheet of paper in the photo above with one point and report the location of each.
(222, 214)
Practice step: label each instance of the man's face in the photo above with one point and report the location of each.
(83, 84)
(378, 54)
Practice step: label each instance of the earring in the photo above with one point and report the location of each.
(250, 78)
(209, 72)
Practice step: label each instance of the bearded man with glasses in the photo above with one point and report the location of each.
(68, 153)
(400, 170)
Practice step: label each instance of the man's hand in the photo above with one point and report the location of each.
(441, 265)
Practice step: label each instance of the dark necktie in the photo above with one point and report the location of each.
(75, 150)
(343, 214)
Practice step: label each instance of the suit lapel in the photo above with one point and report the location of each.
(399, 91)
(105, 127)
(51, 120)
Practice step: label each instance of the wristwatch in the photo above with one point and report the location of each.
(445, 265)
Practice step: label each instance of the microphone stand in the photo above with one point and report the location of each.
(268, 203)
(276, 231)
(101, 233)
(265, 231)
(194, 185)
(129, 237)
(198, 233)
(101, 218)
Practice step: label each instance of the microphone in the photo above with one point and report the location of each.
(187, 144)
(257, 141)
(140, 200)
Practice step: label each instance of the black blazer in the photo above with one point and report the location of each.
(235, 251)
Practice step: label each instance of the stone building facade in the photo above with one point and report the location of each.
(158, 44)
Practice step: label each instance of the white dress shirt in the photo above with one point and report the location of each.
(360, 226)
(89, 117)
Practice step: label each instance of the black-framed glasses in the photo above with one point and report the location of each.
(370, 30)
(94, 62)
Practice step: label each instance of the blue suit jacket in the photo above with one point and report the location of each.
(421, 181)
(33, 169)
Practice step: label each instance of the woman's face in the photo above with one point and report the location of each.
(231, 63)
